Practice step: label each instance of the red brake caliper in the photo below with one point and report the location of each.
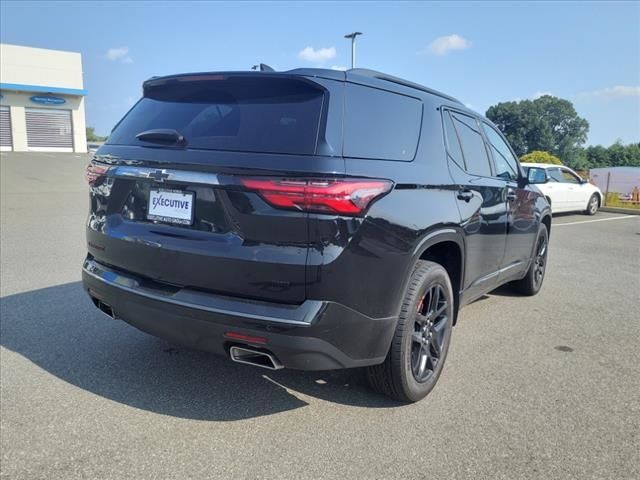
(421, 304)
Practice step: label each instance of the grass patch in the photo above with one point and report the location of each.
(613, 200)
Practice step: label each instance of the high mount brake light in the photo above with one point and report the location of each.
(201, 78)
(341, 196)
(94, 173)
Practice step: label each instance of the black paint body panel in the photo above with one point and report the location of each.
(241, 247)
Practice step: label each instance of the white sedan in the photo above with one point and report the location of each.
(565, 190)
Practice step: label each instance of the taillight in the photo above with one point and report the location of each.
(95, 173)
(341, 196)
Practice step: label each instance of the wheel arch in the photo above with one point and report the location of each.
(600, 197)
(447, 248)
(546, 219)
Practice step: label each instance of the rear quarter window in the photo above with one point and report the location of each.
(475, 154)
(380, 125)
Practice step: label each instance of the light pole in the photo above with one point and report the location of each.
(353, 36)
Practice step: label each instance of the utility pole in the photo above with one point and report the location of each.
(353, 36)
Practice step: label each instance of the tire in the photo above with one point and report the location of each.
(593, 205)
(421, 341)
(532, 281)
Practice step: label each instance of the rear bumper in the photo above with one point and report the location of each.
(315, 335)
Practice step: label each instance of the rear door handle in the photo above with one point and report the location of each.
(465, 194)
(511, 195)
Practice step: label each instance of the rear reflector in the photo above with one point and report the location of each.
(338, 196)
(94, 173)
(245, 338)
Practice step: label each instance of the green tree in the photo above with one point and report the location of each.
(538, 156)
(597, 156)
(547, 123)
(634, 155)
(624, 155)
(576, 158)
(617, 155)
(92, 137)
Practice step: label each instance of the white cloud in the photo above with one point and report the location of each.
(619, 91)
(541, 94)
(119, 53)
(443, 45)
(318, 56)
(339, 67)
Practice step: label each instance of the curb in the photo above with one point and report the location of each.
(628, 211)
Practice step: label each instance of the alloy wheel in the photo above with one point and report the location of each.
(540, 261)
(428, 337)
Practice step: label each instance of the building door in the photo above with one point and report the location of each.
(49, 130)
(6, 142)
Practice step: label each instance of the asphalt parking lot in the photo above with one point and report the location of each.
(541, 387)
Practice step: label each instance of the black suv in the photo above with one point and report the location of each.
(309, 219)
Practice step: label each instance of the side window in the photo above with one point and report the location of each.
(473, 148)
(380, 124)
(506, 164)
(453, 144)
(568, 177)
(555, 175)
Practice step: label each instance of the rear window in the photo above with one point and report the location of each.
(250, 114)
(380, 124)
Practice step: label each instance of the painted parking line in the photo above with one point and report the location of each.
(623, 217)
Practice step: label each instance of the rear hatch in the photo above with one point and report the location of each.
(209, 180)
(176, 211)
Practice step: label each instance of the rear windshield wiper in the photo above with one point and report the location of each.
(165, 136)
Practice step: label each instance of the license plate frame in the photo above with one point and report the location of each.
(162, 213)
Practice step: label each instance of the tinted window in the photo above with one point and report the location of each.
(505, 163)
(252, 114)
(453, 144)
(473, 148)
(380, 124)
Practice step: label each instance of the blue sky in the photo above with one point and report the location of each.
(480, 52)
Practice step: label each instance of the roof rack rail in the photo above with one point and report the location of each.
(365, 72)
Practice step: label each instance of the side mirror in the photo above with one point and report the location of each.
(537, 175)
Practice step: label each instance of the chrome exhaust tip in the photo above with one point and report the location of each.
(257, 358)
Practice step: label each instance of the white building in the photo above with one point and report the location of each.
(42, 100)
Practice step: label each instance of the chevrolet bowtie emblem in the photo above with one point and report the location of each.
(159, 175)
